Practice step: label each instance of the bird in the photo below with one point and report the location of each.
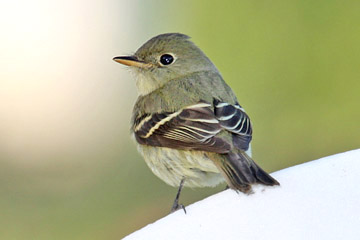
(187, 122)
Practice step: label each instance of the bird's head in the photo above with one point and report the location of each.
(164, 58)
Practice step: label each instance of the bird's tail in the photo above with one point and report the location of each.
(240, 171)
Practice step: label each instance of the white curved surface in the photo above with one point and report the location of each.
(317, 200)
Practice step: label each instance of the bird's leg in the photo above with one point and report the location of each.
(176, 205)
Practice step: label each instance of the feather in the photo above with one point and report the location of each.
(194, 127)
(234, 119)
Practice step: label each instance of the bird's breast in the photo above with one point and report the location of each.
(172, 165)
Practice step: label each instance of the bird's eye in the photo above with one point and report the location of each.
(166, 59)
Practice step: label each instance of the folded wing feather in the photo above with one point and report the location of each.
(195, 127)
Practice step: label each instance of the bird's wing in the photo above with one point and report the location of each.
(194, 127)
(234, 119)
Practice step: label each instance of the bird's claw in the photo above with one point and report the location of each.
(177, 206)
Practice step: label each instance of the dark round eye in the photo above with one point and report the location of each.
(166, 59)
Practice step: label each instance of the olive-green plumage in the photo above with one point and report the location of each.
(187, 122)
(185, 91)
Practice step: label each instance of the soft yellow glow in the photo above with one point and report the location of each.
(57, 78)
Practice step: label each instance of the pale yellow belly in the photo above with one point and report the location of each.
(172, 165)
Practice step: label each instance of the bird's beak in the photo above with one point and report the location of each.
(131, 61)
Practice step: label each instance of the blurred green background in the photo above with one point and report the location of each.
(68, 169)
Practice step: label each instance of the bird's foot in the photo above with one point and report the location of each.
(176, 206)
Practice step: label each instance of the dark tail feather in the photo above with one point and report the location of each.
(263, 177)
(241, 171)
